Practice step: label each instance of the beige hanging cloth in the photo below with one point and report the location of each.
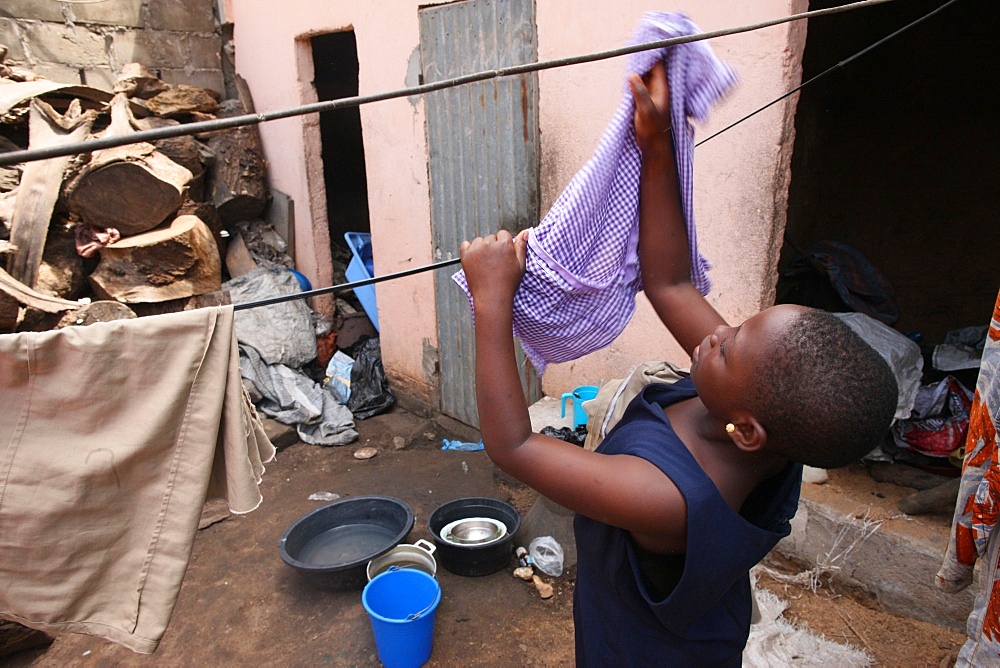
(112, 436)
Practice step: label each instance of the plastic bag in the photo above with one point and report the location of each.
(547, 554)
(900, 353)
(576, 436)
(461, 445)
(338, 376)
(940, 419)
(370, 393)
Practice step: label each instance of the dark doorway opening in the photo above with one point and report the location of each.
(335, 66)
(896, 155)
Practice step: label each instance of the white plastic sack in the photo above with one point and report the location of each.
(902, 354)
(282, 333)
(547, 554)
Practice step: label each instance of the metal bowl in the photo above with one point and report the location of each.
(474, 531)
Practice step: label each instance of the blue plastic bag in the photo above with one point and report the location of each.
(460, 445)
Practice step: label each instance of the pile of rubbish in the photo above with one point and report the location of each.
(289, 367)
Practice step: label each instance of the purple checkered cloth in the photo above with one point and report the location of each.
(582, 274)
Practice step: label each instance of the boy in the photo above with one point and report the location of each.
(697, 481)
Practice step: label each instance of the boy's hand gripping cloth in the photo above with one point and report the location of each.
(582, 274)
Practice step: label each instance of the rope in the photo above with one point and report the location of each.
(345, 286)
(831, 69)
(29, 155)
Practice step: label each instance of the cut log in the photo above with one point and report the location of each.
(171, 262)
(136, 81)
(940, 499)
(191, 154)
(62, 272)
(205, 300)
(238, 179)
(904, 475)
(39, 188)
(239, 260)
(101, 311)
(9, 176)
(208, 214)
(7, 202)
(183, 100)
(14, 96)
(22, 294)
(132, 188)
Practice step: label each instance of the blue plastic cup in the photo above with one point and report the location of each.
(578, 396)
(401, 603)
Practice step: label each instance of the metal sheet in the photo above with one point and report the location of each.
(483, 145)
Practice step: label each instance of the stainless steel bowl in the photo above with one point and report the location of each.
(474, 531)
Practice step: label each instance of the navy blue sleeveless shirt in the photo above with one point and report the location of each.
(621, 617)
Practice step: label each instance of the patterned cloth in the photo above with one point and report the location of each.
(974, 535)
(582, 274)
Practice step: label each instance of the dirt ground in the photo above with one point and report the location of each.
(241, 605)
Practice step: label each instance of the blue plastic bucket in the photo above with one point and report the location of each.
(401, 603)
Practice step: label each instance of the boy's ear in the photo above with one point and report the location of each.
(749, 434)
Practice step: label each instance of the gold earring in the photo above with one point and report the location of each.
(730, 429)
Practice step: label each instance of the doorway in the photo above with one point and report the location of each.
(335, 67)
(895, 155)
(483, 145)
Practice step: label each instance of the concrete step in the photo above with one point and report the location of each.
(850, 528)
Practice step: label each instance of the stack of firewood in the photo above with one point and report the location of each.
(131, 230)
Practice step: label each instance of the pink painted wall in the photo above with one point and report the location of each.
(741, 177)
(272, 54)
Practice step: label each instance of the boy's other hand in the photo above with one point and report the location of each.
(652, 111)
(494, 265)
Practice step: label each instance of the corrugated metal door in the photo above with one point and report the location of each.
(483, 144)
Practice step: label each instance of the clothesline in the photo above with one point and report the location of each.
(343, 287)
(29, 155)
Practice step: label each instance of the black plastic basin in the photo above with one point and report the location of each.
(331, 546)
(474, 559)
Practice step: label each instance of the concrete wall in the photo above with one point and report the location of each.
(741, 177)
(76, 42)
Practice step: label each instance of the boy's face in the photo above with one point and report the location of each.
(725, 364)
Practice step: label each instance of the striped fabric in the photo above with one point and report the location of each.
(582, 275)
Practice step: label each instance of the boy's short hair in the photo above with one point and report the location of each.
(827, 398)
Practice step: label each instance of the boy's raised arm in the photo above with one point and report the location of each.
(663, 242)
